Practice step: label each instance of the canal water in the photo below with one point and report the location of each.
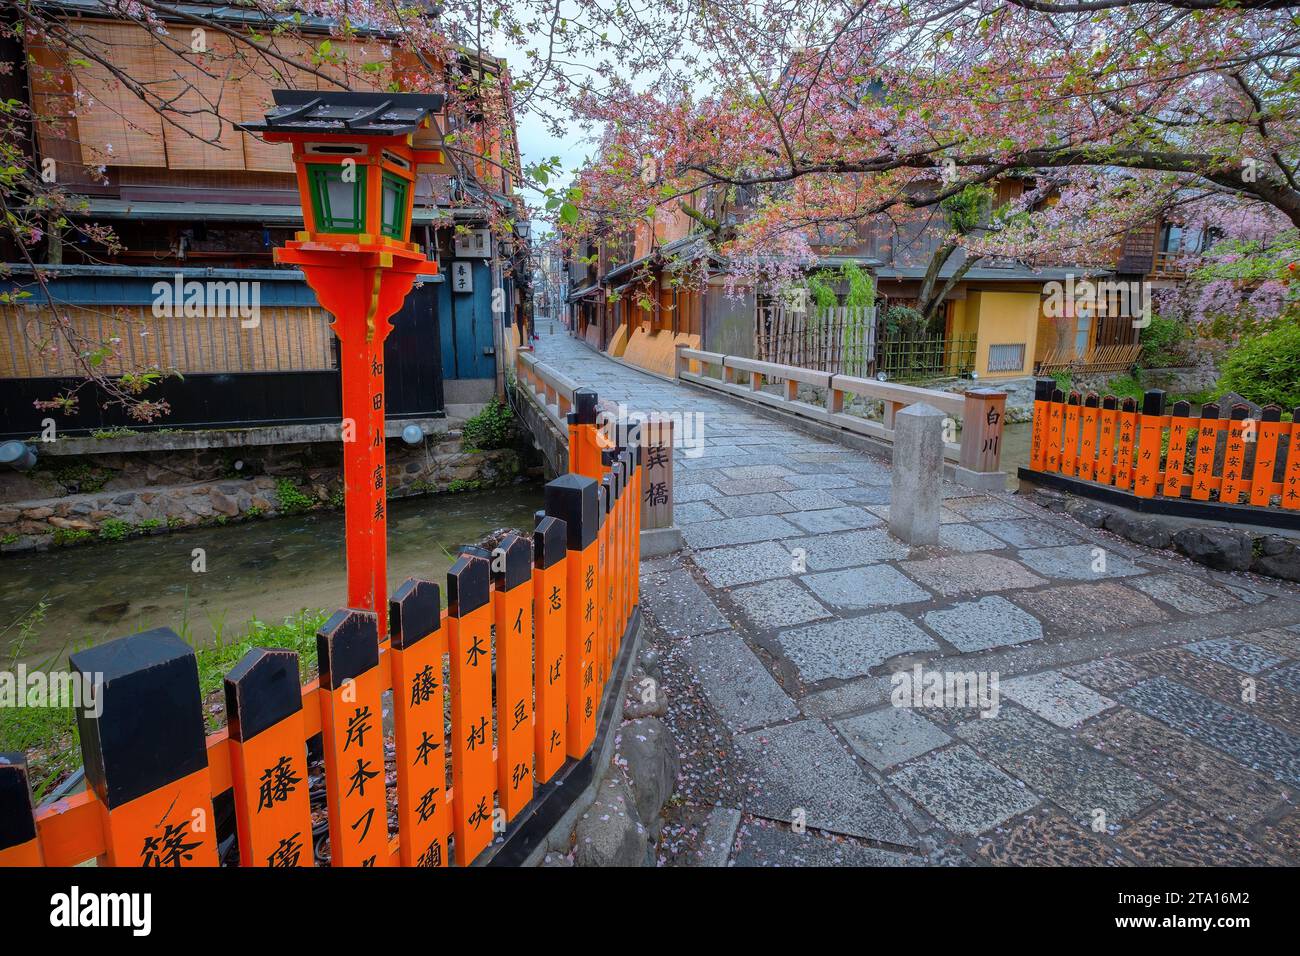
(265, 570)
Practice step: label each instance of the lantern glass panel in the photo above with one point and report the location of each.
(394, 196)
(338, 197)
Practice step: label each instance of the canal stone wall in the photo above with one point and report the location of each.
(110, 495)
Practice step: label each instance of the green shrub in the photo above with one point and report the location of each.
(1163, 343)
(1266, 368)
(903, 320)
(292, 500)
(493, 427)
(1125, 386)
(114, 529)
(66, 536)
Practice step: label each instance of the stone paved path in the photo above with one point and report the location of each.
(1147, 709)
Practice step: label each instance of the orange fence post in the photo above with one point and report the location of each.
(513, 572)
(418, 646)
(1055, 428)
(1151, 424)
(1070, 451)
(469, 632)
(1106, 439)
(146, 754)
(268, 760)
(1291, 479)
(19, 845)
(1266, 447)
(1042, 409)
(1176, 455)
(352, 736)
(635, 458)
(1088, 439)
(1207, 433)
(1235, 479)
(550, 587)
(603, 579)
(1128, 435)
(574, 500)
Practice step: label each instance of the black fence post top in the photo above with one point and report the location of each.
(17, 825)
(261, 690)
(584, 406)
(1271, 413)
(1240, 412)
(1090, 400)
(1210, 410)
(1058, 395)
(469, 582)
(518, 564)
(348, 646)
(1043, 389)
(1182, 409)
(549, 540)
(1153, 401)
(414, 612)
(146, 729)
(574, 500)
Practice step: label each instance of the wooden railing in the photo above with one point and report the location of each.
(1101, 358)
(516, 666)
(1109, 443)
(980, 411)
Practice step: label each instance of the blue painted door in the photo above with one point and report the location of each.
(465, 325)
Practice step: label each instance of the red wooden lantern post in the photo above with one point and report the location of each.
(356, 159)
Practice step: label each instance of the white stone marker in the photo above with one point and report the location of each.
(914, 495)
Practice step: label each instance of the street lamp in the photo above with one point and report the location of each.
(356, 159)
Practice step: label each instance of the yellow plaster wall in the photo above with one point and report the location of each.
(656, 351)
(1003, 318)
(618, 344)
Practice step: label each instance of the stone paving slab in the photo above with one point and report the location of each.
(762, 843)
(780, 603)
(968, 538)
(1078, 779)
(845, 549)
(960, 574)
(1239, 654)
(719, 534)
(962, 791)
(1185, 593)
(887, 737)
(812, 499)
(694, 511)
(945, 516)
(1048, 838)
(744, 564)
(870, 586)
(686, 494)
(982, 508)
(1288, 677)
(1110, 675)
(801, 766)
(864, 494)
(1194, 771)
(852, 647)
(1029, 533)
(742, 506)
(736, 683)
(1258, 695)
(751, 486)
(1089, 608)
(990, 622)
(1054, 697)
(757, 471)
(1179, 835)
(679, 605)
(833, 519)
(1257, 744)
(810, 482)
(1078, 562)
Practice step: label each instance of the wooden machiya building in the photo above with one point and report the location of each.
(198, 204)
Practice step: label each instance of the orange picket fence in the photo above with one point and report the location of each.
(1239, 462)
(494, 700)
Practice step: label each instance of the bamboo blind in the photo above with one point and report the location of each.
(287, 338)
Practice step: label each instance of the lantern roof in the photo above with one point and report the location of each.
(345, 113)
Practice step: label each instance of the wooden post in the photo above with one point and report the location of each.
(352, 734)
(1176, 455)
(1146, 477)
(1088, 438)
(1128, 427)
(268, 760)
(679, 363)
(1070, 448)
(1207, 436)
(1235, 479)
(145, 752)
(418, 646)
(550, 600)
(19, 845)
(1291, 479)
(1055, 430)
(1266, 448)
(1106, 440)
(469, 636)
(981, 432)
(512, 570)
(574, 500)
(1042, 409)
